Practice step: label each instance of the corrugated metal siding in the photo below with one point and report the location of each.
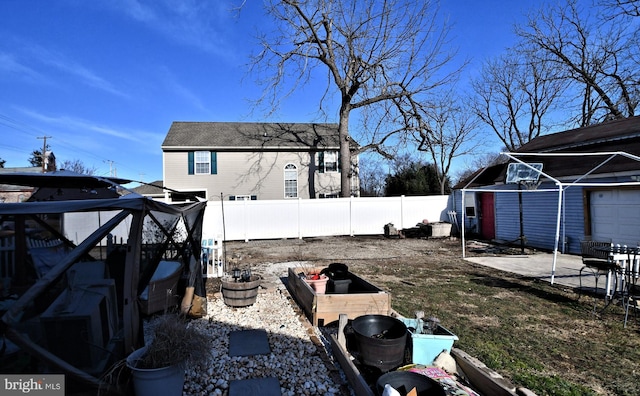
(539, 212)
(573, 219)
(539, 217)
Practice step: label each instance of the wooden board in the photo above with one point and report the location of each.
(482, 377)
(323, 309)
(356, 380)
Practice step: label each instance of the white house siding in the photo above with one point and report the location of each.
(239, 173)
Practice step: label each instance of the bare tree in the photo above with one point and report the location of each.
(449, 131)
(372, 176)
(77, 166)
(622, 7)
(514, 96)
(599, 59)
(371, 53)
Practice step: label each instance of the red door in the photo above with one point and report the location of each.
(487, 216)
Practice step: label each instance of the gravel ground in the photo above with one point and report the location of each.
(298, 357)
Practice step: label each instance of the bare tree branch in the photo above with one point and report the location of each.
(621, 7)
(515, 95)
(373, 51)
(451, 133)
(599, 59)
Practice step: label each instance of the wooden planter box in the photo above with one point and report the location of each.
(481, 378)
(363, 298)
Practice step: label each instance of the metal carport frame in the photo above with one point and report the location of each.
(561, 186)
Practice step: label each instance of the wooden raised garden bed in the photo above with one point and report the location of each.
(362, 298)
(480, 380)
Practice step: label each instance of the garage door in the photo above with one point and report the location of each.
(615, 215)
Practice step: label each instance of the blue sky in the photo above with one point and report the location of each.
(104, 79)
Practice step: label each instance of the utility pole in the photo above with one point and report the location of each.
(44, 150)
(112, 171)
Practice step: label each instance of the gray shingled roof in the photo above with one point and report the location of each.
(153, 188)
(574, 139)
(612, 136)
(253, 135)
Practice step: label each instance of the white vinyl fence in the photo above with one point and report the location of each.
(298, 218)
(301, 218)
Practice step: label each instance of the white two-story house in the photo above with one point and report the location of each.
(253, 161)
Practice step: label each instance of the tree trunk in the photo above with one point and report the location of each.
(345, 153)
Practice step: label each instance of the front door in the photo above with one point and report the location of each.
(487, 216)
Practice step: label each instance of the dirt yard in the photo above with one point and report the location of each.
(541, 337)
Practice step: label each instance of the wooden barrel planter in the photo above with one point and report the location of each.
(237, 293)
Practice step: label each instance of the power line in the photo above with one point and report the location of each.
(29, 130)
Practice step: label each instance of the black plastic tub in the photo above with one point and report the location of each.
(381, 341)
(338, 286)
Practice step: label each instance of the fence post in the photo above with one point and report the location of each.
(246, 221)
(402, 212)
(351, 215)
(299, 207)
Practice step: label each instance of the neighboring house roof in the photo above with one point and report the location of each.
(613, 136)
(250, 135)
(11, 171)
(62, 185)
(59, 179)
(26, 169)
(6, 187)
(149, 189)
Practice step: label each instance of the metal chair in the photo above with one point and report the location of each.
(595, 257)
(632, 286)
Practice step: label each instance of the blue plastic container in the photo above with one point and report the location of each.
(427, 347)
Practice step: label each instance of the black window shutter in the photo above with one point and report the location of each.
(232, 197)
(191, 162)
(214, 163)
(321, 161)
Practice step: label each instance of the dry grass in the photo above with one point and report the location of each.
(174, 343)
(539, 336)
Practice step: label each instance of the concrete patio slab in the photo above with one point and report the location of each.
(539, 265)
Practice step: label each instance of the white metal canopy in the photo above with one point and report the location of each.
(560, 187)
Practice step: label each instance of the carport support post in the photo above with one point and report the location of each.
(555, 247)
(464, 218)
(521, 218)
